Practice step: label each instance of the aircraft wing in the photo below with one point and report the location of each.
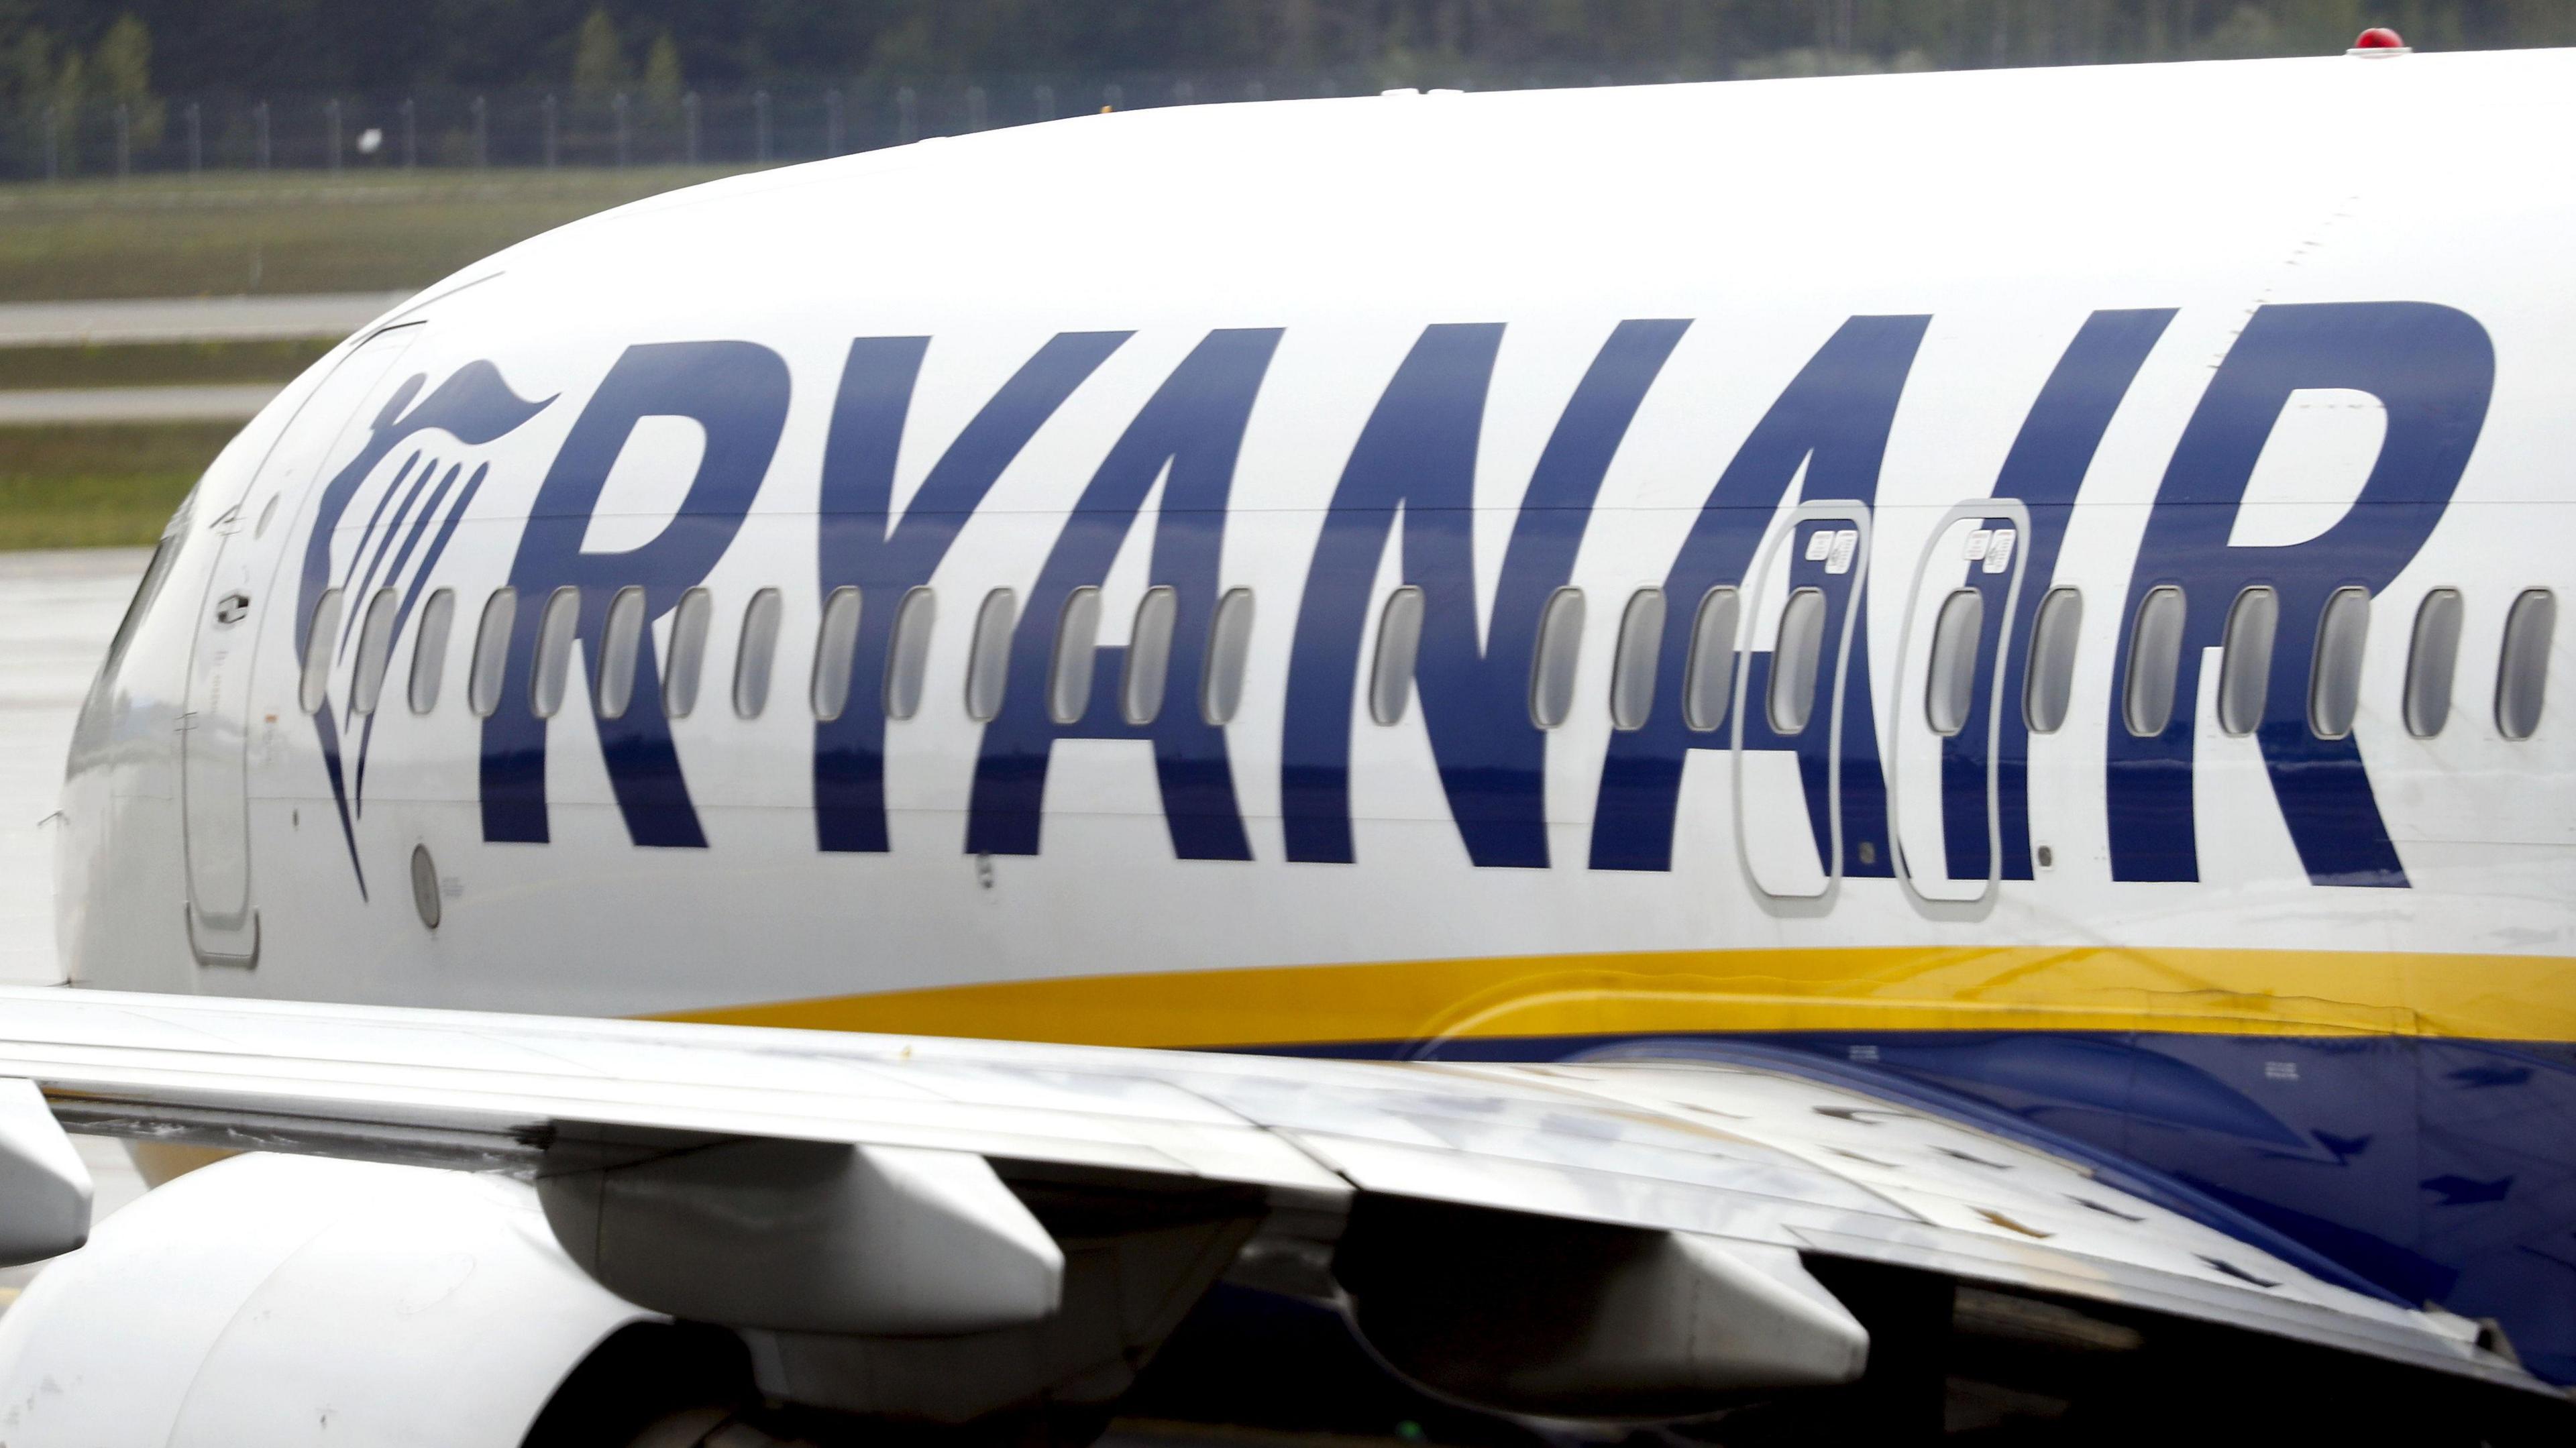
(1749, 1165)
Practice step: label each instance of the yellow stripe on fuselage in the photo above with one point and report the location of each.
(2018, 988)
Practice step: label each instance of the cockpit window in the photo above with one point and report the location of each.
(144, 592)
(93, 715)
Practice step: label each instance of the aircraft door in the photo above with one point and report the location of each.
(241, 610)
(1945, 722)
(1792, 661)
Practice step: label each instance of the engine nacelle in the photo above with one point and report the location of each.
(286, 1300)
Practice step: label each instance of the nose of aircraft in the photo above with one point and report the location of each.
(94, 644)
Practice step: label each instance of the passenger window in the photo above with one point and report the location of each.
(1077, 648)
(2049, 683)
(2431, 662)
(833, 645)
(1229, 646)
(491, 652)
(2522, 674)
(751, 662)
(1560, 646)
(1399, 641)
(375, 651)
(688, 653)
(2334, 677)
(1149, 655)
(1639, 656)
(555, 630)
(315, 686)
(1950, 685)
(910, 656)
(1795, 657)
(1708, 683)
(619, 641)
(2155, 652)
(2245, 663)
(988, 662)
(429, 649)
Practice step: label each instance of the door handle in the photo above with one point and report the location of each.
(232, 607)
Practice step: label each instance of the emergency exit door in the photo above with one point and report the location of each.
(1945, 724)
(1791, 674)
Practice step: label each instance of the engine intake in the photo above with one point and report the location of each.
(1571, 1319)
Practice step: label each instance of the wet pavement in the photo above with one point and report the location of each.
(57, 612)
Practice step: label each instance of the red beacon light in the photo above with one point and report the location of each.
(2379, 41)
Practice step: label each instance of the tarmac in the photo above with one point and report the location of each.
(57, 612)
(329, 315)
(229, 402)
(190, 319)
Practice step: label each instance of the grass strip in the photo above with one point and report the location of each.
(227, 237)
(99, 487)
(156, 364)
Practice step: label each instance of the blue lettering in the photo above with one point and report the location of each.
(1194, 426)
(737, 391)
(1834, 418)
(858, 548)
(2044, 470)
(2432, 368)
(1418, 454)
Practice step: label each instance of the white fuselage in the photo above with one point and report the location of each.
(1979, 223)
(792, 491)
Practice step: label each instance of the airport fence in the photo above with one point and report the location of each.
(459, 129)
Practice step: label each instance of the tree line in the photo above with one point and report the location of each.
(71, 52)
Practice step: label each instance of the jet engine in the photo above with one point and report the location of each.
(285, 1300)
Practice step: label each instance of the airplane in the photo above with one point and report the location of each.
(1645, 739)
